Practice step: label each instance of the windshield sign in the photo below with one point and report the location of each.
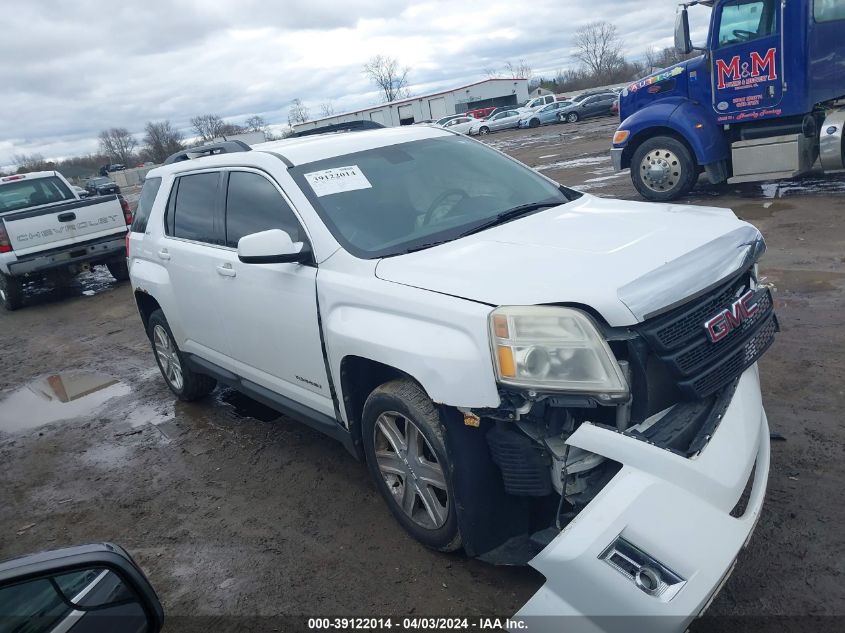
(396, 199)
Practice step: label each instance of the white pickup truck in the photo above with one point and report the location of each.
(48, 233)
(531, 373)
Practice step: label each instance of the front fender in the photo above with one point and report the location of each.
(681, 116)
(440, 341)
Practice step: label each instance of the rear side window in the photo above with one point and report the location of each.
(253, 204)
(193, 212)
(829, 10)
(145, 204)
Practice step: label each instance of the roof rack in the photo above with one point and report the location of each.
(210, 149)
(349, 126)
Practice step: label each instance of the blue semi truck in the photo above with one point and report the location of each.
(764, 100)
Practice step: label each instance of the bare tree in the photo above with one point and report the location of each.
(118, 144)
(326, 109)
(31, 162)
(256, 123)
(161, 140)
(519, 70)
(208, 126)
(599, 48)
(298, 112)
(385, 73)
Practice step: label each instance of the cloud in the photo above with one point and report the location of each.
(72, 69)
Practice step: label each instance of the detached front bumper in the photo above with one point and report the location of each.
(676, 512)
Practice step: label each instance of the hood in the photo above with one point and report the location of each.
(626, 260)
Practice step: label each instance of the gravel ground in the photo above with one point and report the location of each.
(235, 511)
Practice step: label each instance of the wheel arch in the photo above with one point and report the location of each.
(359, 376)
(648, 133)
(147, 304)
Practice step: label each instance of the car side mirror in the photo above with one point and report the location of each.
(90, 588)
(272, 247)
(682, 36)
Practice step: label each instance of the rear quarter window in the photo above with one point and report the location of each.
(145, 204)
(829, 10)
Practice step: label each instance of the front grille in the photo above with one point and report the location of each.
(699, 366)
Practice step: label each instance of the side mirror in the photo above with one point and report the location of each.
(90, 587)
(272, 247)
(682, 36)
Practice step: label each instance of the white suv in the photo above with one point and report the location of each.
(511, 357)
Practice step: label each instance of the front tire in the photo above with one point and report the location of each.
(11, 292)
(663, 169)
(572, 117)
(534, 123)
(185, 383)
(119, 270)
(484, 131)
(406, 454)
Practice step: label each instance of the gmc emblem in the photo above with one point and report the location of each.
(730, 318)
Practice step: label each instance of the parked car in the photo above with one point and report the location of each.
(101, 186)
(503, 120)
(614, 109)
(538, 102)
(446, 119)
(47, 233)
(588, 106)
(410, 293)
(105, 169)
(461, 124)
(543, 116)
(80, 192)
(424, 122)
(480, 113)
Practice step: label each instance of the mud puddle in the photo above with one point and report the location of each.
(761, 210)
(245, 407)
(55, 398)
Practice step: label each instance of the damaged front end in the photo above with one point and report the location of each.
(630, 495)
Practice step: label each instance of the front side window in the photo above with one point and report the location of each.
(391, 200)
(193, 212)
(828, 10)
(253, 204)
(746, 20)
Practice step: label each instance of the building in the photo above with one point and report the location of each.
(250, 138)
(481, 94)
(540, 92)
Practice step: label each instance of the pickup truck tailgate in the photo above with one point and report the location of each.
(45, 228)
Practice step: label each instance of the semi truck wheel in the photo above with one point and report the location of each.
(11, 292)
(663, 169)
(185, 383)
(406, 455)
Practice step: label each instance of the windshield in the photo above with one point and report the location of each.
(392, 200)
(21, 194)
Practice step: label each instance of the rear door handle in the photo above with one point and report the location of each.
(226, 270)
(163, 254)
(67, 217)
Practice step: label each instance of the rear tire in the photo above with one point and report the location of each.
(119, 270)
(11, 292)
(406, 454)
(663, 169)
(184, 382)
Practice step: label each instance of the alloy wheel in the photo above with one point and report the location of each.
(168, 357)
(411, 470)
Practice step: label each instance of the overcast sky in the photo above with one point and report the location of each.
(70, 69)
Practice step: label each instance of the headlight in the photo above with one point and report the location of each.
(546, 347)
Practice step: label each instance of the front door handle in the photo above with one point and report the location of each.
(226, 270)
(163, 254)
(67, 217)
